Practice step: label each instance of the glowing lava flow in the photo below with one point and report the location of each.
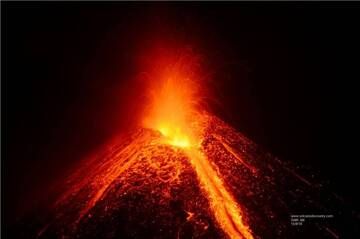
(113, 165)
(223, 205)
(173, 109)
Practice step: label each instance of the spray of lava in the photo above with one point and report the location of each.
(169, 144)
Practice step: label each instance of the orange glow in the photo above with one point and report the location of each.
(173, 103)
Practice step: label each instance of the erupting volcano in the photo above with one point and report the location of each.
(183, 173)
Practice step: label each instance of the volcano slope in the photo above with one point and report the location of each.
(142, 187)
(184, 173)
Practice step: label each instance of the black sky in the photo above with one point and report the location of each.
(285, 74)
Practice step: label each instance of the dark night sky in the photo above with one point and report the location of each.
(285, 75)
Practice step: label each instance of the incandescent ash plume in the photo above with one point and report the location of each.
(184, 173)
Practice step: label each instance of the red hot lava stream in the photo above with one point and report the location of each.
(173, 107)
